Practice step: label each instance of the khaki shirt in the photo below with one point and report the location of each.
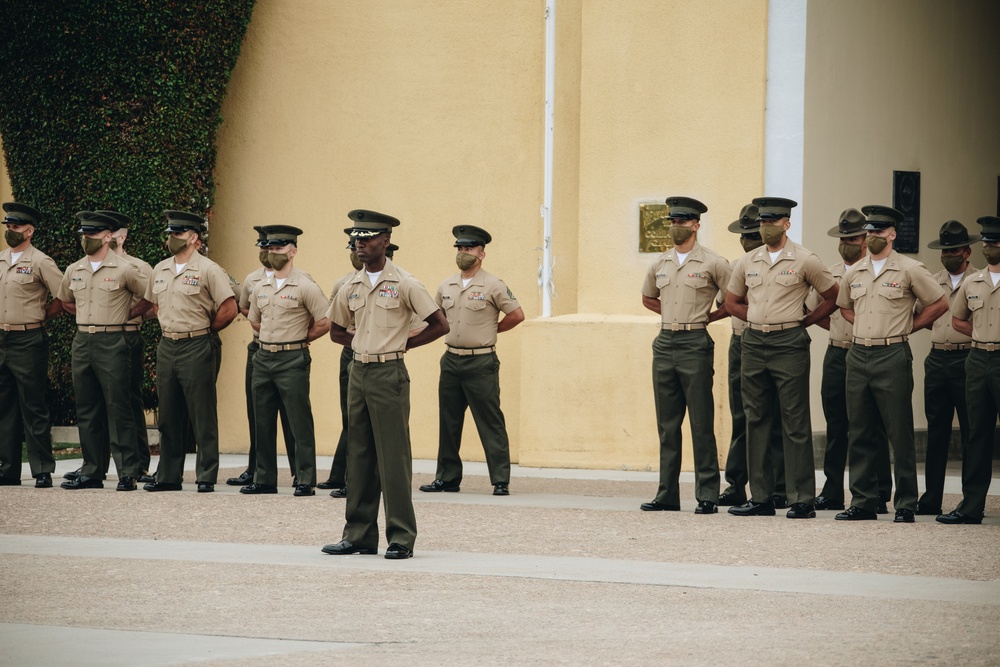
(337, 285)
(381, 312)
(979, 300)
(188, 301)
(686, 293)
(146, 270)
(474, 310)
(941, 331)
(841, 331)
(106, 295)
(285, 313)
(776, 292)
(738, 325)
(883, 305)
(25, 285)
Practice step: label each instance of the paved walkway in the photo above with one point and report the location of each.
(565, 570)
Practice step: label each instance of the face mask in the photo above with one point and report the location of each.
(176, 244)
(849, 252)
(13, 238)
(750, 244)
(876, 244)
(771, 234)
(90, 246)
(113, 244)
(355, 262)
(992, 254)
(262, 256)
(952, 263)
(277, 261)
(680, 234)
(465, 261)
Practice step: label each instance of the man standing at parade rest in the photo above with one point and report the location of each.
(737, 476)
(472, 300)
(288, 311)
(833, 386)
(27, 277)
(878, 296)
(944, 366)
(250, 283)
(100, 290)
(768, 289)
(976, 313)
(681, 287)
(194, 299)
(379, 301)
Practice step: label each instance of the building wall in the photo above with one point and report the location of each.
(906, 86)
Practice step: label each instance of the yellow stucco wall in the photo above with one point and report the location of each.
(908, 87)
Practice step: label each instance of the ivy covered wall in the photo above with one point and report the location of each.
(112, 104)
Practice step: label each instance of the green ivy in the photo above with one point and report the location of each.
(112, 104)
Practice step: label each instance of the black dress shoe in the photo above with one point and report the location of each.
(83, 482)
(245, 478)
(162, 486)
(656, 506)
(10, 482)
(72, 475)
(779, 502)
(440, 485)
(903, 516)
(856, 514)
(706, 507)
(956, 517)
(146, 478)
(330, 484)
(43, 481)
(304, 490)
(732, 498)
(824, 503)
(255, 489)
(753, 509)
(398, 552)
(339, 493)
(345, 548)
(126, 483)
(924, 510)
(801, 511)
(882, 508)
(206, 487)
(500, 489)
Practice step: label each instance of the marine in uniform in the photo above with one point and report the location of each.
(768, 290)
(247, 287)
(833, 385)
(736, 474)
(27, 277)
(472, 301)
(878, 295)
(379, 301)
(975, 312)
(104, 292)
(194, 301)
(944, 366)
(288, 311)
(681, 287)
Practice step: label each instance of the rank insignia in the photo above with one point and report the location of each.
(391, 291)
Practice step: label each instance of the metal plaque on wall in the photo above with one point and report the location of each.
(906, 200)
(653, 226)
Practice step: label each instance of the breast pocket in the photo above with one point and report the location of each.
(788, 280)
(858, 293)
(386, 311)
(475, 305)
(890, 299)
(692, 285)
(190, 290)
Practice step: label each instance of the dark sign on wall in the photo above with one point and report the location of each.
(906, 200)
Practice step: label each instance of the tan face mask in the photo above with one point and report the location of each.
(355, 261)
(952, 263)
(262, 256)
(113, 243)
(771, 234)
(176, 244)
(465, 261)
(849, 252)
(90, 245)
(750, 244)
(680, 234)
(13, 238)
(876, 244)
(277, 261)
(992, 254)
